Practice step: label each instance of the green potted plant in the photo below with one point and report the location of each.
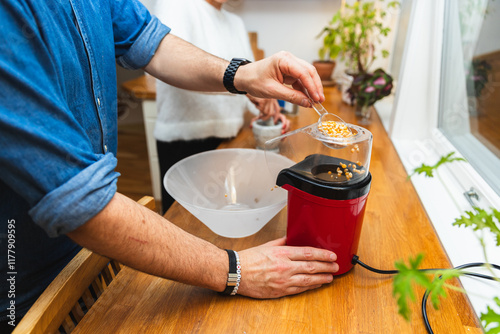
(353, 35)
(368, 88)
(327, 55)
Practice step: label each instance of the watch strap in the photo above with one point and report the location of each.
(230, 72)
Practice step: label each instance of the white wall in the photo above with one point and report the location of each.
(290, 25)
(148, 3)
(287, 25)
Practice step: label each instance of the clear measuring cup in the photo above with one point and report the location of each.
(324, 115)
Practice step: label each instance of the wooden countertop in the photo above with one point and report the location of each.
(395, 227)
(143, 87)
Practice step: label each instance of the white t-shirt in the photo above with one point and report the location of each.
(186, 115)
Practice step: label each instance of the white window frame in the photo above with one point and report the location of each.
(413, 128)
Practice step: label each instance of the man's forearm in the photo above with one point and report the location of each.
(142, 239)
(183, 65)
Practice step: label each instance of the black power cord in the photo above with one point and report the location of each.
(355, 260)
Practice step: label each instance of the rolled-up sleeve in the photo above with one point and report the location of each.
(79, 199)
(137, 33)
(143, 49)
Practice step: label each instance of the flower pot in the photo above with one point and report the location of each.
(364, 113)
(325, 69)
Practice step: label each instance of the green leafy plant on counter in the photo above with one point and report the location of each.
(435, 281)
(368, 88)
(353, 34)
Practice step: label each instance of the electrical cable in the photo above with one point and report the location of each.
(424, 312)
(355, 260)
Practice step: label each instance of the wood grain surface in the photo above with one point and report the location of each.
(395, 227)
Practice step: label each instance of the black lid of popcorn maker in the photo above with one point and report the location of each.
(327, 177)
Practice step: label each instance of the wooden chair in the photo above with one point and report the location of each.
(73, 292)
(258, 54)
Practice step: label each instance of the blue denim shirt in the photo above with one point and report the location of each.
(58, 126)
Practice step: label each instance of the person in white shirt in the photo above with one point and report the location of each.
(191, 122)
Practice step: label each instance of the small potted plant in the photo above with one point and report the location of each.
(368, 88)
(327, 55)
(353, 34)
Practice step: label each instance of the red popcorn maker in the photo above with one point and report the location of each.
(328, 188)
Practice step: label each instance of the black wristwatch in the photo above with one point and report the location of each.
(231, 71)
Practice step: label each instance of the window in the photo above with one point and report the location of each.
(444, 102)
(469, 111)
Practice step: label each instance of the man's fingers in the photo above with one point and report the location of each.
(304, 280)
(313, 81)
(315, 267)
(311, 254)
(301, 283)
(291, 95)
(299, 69)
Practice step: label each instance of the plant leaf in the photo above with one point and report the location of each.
(491, 318)
(481, 220)
(437, 286)
(409, 276)
(404, 281)
(424, 169)
(429, 170)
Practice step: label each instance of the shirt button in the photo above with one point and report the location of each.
(105, 148)
(98, 102)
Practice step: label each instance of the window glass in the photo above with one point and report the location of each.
(469, 113)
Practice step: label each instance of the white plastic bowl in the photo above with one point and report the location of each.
(231, 191)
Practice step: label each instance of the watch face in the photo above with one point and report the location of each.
(241, 61)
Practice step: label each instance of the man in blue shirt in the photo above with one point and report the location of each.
(58, 140)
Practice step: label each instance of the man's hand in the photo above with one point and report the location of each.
(274, 270)
(282, 76)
